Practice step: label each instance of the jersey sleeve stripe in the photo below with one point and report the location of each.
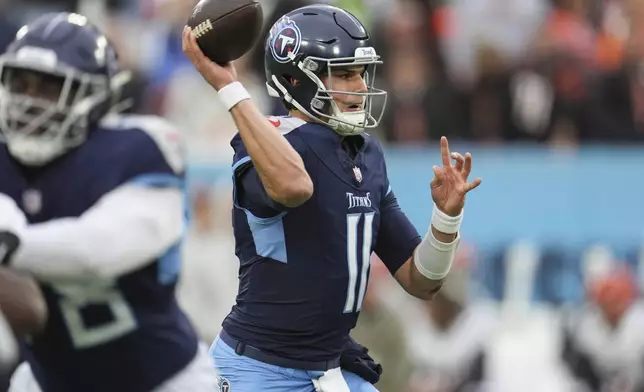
(268, 235)
(240, 163)
(158, 180)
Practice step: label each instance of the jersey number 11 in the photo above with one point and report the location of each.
(353, 304)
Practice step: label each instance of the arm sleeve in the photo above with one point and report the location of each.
(128, 228)
(249, 193)
(397, 237)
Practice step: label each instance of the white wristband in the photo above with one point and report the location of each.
(445, 223)
(233, 94)
(433, 259)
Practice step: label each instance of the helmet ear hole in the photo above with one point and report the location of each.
(285, 81)
(294, 82)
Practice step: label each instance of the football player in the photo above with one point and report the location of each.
(312, 202)
(602, 346)
(92, 206)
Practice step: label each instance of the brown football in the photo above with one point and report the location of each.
(226, 29)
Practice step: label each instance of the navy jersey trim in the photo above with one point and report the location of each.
(240, 162)
(236, 202)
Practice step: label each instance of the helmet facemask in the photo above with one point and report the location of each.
(38, 129)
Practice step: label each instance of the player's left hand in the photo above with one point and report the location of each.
(449, 185)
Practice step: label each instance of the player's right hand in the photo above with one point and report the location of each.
(216, 75)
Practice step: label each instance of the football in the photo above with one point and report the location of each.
(226, 29)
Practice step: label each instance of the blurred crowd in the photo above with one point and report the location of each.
(557, 72)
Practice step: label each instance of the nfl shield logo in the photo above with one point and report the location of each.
(32, 201)
(357, 173)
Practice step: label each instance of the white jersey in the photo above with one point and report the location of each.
(615, 354)
(456, 356)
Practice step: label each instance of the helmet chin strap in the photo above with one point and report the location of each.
(351, 123)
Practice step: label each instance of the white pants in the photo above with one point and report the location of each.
(199, 376)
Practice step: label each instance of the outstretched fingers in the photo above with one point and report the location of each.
(472, 185)
(460, 161)
(467, 166)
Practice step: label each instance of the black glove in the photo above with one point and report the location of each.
(355, 359)
(9, 243)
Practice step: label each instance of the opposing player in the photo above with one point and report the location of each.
(312, 201)
(92, 206)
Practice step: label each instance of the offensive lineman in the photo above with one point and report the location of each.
(92, 205)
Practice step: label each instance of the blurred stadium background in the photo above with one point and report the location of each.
(548, 95)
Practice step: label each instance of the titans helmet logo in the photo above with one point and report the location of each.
(284, 39)
(224, 384)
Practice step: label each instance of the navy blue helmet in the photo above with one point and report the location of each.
(312, 42)
(58, 78)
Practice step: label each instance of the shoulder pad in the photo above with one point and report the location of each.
(286, 124)
(166, 136)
